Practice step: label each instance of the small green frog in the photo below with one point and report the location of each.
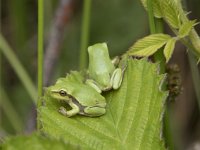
(82, 98)
(103, 74)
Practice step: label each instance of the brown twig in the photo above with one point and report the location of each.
(63, 15)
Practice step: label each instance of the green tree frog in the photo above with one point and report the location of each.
(82, 98)
(103, 74)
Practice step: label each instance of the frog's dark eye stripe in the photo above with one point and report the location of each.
(62, 93)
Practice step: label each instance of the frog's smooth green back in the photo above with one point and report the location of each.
(100, 65)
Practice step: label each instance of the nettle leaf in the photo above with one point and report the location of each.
(148, 45)
(133, 119)
(169, 48)
(35, 142)
(186, 27)
(156, 7)
(170, 12)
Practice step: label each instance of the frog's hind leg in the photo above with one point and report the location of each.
(94, 111)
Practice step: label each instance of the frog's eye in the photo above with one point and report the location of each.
(62, 93)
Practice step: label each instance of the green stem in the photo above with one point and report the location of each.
(85, 33)
(17, 66)
(159, 56)
(168, 129)
(156, 26)
(10, 112)
(152, 24)
(0, 68)
(194, 46)
(193, 36)
(195, 76)
(186, 42)
(40, 53)
(40, 49)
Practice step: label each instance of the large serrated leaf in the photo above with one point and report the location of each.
(148, 45)
(169, 48)
(35, 142)
(185, 28)
(133, 119)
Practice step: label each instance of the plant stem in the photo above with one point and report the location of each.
(10, 112)
(85, 33)
(156, 26)
(193, 36)
(195, 76)
(0, 67)
(151, 18)
(168, 129)
(40, 49)
(194, 46)
(17, 66)
(40, 54)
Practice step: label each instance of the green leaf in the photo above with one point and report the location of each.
(156, 7)
(170, 12)
(185, 28)
(148, 45)
(133, 119)
(167, 9)
(34, 142)
(169, 48)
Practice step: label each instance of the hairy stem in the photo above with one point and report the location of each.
(156, 26)
(195, 76)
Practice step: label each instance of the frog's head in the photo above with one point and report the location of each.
(58, 92)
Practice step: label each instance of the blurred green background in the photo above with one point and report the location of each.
(118, 22)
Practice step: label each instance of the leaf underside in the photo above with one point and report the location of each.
(133, 119)
(169, 48)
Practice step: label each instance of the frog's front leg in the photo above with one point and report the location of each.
(75, 110)
(94, 84)
(116, 78)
